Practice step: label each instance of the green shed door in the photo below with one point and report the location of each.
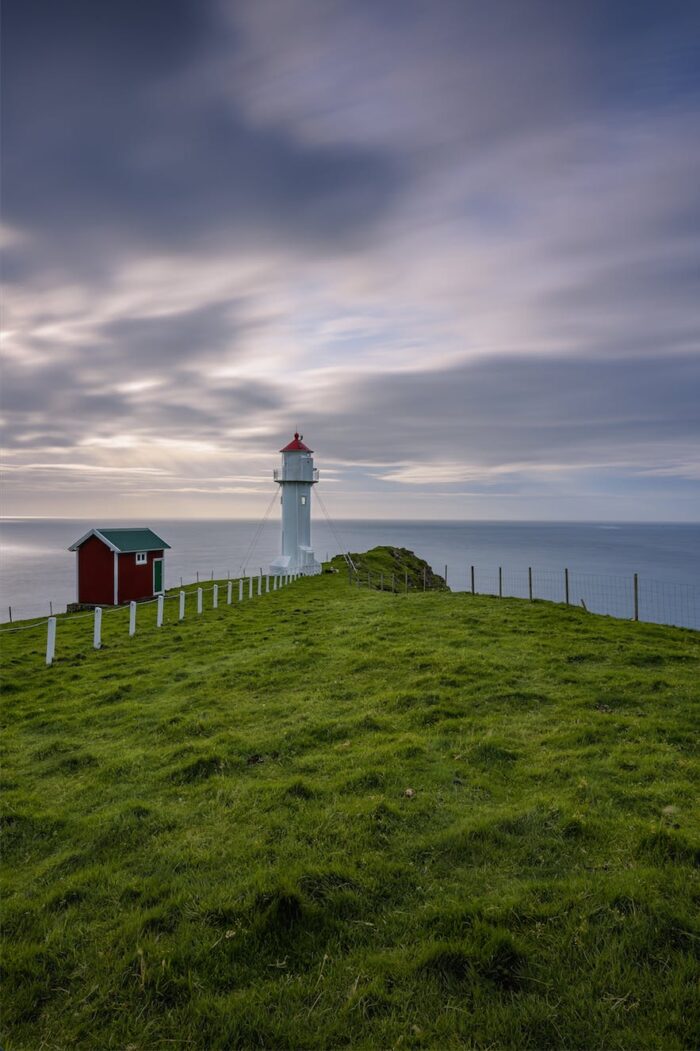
(157, 575)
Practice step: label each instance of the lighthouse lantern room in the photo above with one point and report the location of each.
(295, 478)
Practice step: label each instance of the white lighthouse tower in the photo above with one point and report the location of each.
(295, 477)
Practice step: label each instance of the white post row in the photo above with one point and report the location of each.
(182, 606)
(132, 618)
(250, 587)
(50, 640)
(199, 600)
(240, 590)
(215, 597)
(159, 611)
(229, 592)
(97, 630)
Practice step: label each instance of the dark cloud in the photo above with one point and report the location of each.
(498, 411)
(165, 341)
(107, 142)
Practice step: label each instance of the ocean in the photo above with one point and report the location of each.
(37, 570)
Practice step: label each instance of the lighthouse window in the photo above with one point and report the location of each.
(303, 499)
(141, 558)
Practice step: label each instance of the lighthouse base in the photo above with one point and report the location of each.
(304, 563)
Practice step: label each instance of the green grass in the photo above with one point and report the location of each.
(208, 841)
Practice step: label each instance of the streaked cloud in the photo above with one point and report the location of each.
(457, 245)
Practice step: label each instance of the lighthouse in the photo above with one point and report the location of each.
(295, 478)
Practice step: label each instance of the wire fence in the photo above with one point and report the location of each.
(630, 597)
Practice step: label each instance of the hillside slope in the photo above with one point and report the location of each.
(334, 817)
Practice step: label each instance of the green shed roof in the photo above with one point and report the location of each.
(126, 539)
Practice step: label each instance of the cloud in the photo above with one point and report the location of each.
(457, 245)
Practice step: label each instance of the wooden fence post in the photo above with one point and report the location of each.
(500, 581)
(566, 586)
(132, 618)
(181, 611)
(529, 581)
(97, 629)
(159, 611)
(50, 640)
(199, 600)
(215, 596)
(636, 596)
(229, 592)
(473, 581)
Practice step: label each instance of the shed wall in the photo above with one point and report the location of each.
(136, 582)
(95, 573)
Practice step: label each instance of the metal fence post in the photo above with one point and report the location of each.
(473, 580)
(566, 586)
(445, 574)
(393, 583)
(159, 612)
(50, 640)
(369, 578)
(181, 611)
(424, 572)
(97, 629)
(636, 596)
(529, 581)
(500, 581)
(132, 618)
(199, 600)
(405, 581)
(215, 596)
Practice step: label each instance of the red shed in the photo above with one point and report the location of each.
(118, 565)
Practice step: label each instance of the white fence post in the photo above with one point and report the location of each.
(97, 630)
(260, 584)
(250, 587)
(159, 611)
(274, 582)
(199, 600)
(240, 590)
(132, 618)
(267, 583)
(215, 597)
(229, 592)
(50, 640)
(182, 605)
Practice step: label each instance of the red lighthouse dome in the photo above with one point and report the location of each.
(296, 445)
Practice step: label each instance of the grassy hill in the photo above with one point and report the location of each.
(335, 817)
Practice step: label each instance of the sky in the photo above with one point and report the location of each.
(455, 244)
